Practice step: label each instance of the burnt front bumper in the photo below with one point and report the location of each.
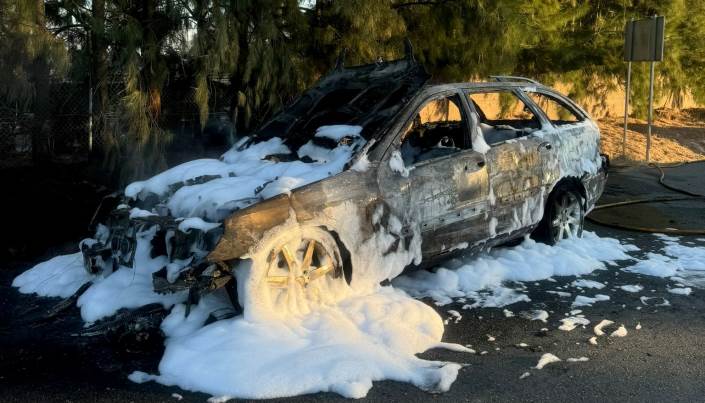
(115, 246)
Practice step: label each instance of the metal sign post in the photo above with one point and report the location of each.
(626, 107)
(651, 112)
(643, 42)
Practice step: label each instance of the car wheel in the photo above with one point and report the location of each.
(563, 217)
(298, 269)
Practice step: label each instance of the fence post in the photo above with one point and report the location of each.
(90, 114)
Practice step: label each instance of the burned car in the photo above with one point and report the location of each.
(369, 172)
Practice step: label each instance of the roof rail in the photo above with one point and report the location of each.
(515, 78)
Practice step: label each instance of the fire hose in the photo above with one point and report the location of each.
(673, 231)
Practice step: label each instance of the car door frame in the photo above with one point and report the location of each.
(553, 132)
(520, 211)
(449, 230)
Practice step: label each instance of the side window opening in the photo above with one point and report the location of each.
(556, 110)
(503, 116)
(438, 129)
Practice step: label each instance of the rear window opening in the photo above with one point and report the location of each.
(503, 116)
(557, 111)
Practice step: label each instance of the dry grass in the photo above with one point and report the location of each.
(677, 136)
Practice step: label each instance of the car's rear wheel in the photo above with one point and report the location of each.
(297, 270)
(563, 217)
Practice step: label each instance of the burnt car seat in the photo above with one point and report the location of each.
(431, 140)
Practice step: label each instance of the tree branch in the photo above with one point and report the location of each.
(419, 3)
(57, 31)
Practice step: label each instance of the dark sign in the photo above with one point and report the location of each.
(643, 40)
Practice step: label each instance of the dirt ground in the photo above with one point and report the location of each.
(677, 136)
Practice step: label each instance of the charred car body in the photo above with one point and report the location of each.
(440, 169)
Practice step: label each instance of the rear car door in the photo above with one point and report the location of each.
(573, 137)
(516, 157)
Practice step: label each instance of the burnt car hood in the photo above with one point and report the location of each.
(367, 96)
(182, 209)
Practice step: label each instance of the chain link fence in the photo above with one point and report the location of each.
(15, 134)
(67, 126)
(72, 132)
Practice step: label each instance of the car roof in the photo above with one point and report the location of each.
(517, 83)
(488, 85)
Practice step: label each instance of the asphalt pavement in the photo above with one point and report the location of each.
(662, 361)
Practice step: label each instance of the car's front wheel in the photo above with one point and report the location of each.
(563, 216)
(295, 270)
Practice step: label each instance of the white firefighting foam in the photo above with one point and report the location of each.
(347, 337)
(330, 336)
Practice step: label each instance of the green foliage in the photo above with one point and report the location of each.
(269, 50)
(255, 44)
(26, 43)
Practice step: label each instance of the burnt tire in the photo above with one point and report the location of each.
(563, 216)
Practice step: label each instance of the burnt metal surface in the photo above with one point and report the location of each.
(463, 201)
(368, 95)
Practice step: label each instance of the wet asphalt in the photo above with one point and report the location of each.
(663, 361)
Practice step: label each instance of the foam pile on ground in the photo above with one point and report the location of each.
(655, 265)
(60, 276)
(546, 359)
(530, 261)
(583, 300)
(631, 288)
(538, 314)
(686, 262)
(341, 348)
(620, 332)
(598, 328)
(585, 283)
(680, 290)
(572, 322)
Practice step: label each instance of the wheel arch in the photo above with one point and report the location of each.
(569, 182)
(344, 254)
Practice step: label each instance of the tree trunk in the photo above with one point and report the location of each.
(151, 56)
(99, 58)
(40, 76)
(237, 84)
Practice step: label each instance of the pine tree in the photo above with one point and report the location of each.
(29, 53)
(257, 45)
(142, 34)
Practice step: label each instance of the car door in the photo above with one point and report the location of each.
(515, 158)
(574, 139)
(448, 187)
